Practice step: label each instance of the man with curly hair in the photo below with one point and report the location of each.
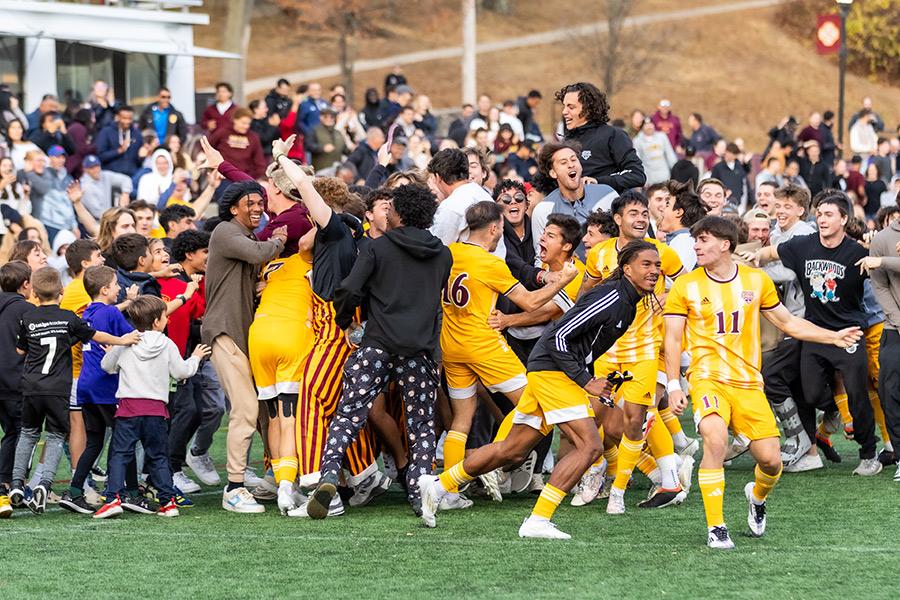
(607, 154)
(400, 276)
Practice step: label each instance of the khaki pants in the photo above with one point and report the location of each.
(233, 369)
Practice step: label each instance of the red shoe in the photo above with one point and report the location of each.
(169, 509)
(113, 508)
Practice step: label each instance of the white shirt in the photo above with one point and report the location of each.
(450, 218)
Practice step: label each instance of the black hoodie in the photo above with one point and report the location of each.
(402, 273)
(12, 307)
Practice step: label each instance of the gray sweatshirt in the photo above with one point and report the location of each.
(145, 368)
(886, 280)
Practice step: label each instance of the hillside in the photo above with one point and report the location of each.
(739, 70)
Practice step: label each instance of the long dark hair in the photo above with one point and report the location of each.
(595, 105)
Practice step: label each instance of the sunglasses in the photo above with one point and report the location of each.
(161, 97)
(507, 199)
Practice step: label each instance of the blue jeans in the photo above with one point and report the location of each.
(153, 433)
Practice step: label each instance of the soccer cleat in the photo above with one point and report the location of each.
(371, 487)
(719, 539)
(887, 457)
(430, 499)
(204, 468)
(251, 479)
(77, 504)
(454, 502)
(607, 487)
(867, 467)
(38, 501)
(286, 497)
(738, 447)
(169, 509)
(320, 500)
(827, 448)
(689, 449)
(663, 498)
(808, 462)
(534, 527)
(241, 501)
(537, 484)
(6, 508)
(592, 483)
(113, 508)
(686, 473)
(141, 505)
(185, 483)
(520, 477)
(491, 483)
(616, 504)
(335, 509)
(756, 517)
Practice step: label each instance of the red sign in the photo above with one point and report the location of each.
(828, 34)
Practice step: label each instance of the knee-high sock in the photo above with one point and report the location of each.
(276, 469)
(764, 483)
(548, 502)
(629, 454)
(647, 465)
(875, 401)
(612, 461)
(505, 427)
(712, 488)
(659, 439)
(288, 466)
(843, 405)
(674, 426)
(454, 448)
(454, 477)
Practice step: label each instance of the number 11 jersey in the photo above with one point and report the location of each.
(47, 335)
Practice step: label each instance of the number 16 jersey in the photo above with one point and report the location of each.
(477, 278)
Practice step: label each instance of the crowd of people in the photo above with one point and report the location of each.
(374, 296)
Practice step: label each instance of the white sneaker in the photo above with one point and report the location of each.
(503, 483)
(185, 483)
(454, 502)
(430, 499)
(286, 497)
(371, 487)
(335, 509)
(868, 467)
(240, 500)
(690, 449)
(520, 478)
(204, 468)
(491, 483)
(897, 474)
(719, 539)
(809, 462)
(592, 483)
(756, 517)
(576, 495)
(616, 503)
(738, 447)
(686, 473)
(537, 484)
(251, 479)
(92, 496)
(607, 487)
(533, 527)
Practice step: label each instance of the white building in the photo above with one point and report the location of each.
(61, 48)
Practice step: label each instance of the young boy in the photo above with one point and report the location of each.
(96, 395)
(131, 253)
(15, 281)
(46, 335)
(143, 394)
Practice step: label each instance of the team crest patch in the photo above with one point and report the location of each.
(585, 154)
(748, 296)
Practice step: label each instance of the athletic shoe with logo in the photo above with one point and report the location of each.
(756, 517)
(533, 527)
(169, 509)
(867, 467)
(824, 444)
(686, 473)
(113, 508)
(520, 477)
(76, 504)
(428, 485)
(38, 501)
(140, 504)
(887, 457)
(454, 502)
(240, 500)
(719, 539)
(371, 487)
(185, 483)
(335, 509)
(204, 468)
(616, 503)
(809, 462)
(6, 508)
(17, 494)
(251, 479)
(320, 501)
(689, 449)
(663, 498)
(98, 474)
(491, 483)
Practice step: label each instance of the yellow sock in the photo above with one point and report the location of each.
(712, 487)
(612, 461)
(844, 408)
(875, 401)
(505, 427)
(659, 439)
(454, 448)
(454, 477)
(289, 466)
(669, 420)
(276, 469)
(547, 502)
(629, 453)
(600, 458)
(646, 464)
(764, 483)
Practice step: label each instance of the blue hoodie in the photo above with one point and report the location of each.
(95, 386)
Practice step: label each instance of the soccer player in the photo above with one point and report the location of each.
(472, 350)
(558, 392)
(718, 307)
(638, 352)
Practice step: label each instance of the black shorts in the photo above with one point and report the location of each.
(53, 409)
(97, 417)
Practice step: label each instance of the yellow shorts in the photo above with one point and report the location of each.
(500, 371)
(873, 343)
(747, 412)
(640, 390)
(278, 354)
(550, 398)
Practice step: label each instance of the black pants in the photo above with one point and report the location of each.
(11, 423)
(889, 383)
(97, 418)
(781, 372)
(818, 363)
(367, 373)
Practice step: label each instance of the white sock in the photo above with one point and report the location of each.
(668, 468)
(655, 475)
(889, 446)
(286, 485)
(680, 439)
(614, 491)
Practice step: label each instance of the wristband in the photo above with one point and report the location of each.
(278, 157)
(182, 298)
(540, 277)
(673, 386)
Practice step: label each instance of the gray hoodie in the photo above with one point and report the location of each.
(886, 280)
(145, 368)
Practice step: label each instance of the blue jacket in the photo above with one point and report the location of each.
(108, 150)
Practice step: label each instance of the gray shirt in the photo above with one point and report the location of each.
(784, 278)
(597, 196)
(886, 280)
(98, 193)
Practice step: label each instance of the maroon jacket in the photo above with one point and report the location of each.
(212, 114)
(671, 126)
(243, 150)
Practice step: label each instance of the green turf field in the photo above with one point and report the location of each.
(830, 536)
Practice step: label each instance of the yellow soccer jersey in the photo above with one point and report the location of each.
(476, 280)
(565, 299)
(643, 339)
(722, 328)
(76, 299)
(288, 293)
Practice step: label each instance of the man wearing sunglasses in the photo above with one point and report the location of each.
(163, 118)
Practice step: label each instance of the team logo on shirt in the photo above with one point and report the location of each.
(585, 154)
(823, 276)
(748, 296)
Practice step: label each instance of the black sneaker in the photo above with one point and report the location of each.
(664, 498)
(140, 504)
(887, 457)
(320, 501)
(17, 494)
(98, 474)
(76, 504)
(828, 450)
(38, 501)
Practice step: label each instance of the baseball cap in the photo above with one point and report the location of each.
(399, 139)
(90, 160)
(665, 103)
(404, 89)
(754, 214)
(56, 151)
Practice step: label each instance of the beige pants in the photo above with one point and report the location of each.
(233, 369)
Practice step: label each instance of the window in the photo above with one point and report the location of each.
(11, 63)
(78, 66)
(143, 75)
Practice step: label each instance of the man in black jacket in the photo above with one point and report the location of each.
(559, 392)
(400, 275)
(163, 118)
(607, 154)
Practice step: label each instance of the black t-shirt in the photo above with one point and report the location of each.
(334, 253)
(47, 335)
(831, 282)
